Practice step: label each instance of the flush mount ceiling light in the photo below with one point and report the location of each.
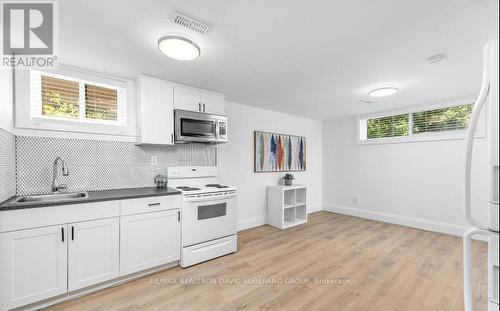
(179, 47)
(384, 91)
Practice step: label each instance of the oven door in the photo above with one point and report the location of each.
(194, 127)
(206, 219)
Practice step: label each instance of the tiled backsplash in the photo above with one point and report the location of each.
(99, 165)
(7, 165)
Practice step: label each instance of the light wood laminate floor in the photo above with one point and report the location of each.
(366, 265)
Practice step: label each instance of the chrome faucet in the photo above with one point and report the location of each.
(56, 186)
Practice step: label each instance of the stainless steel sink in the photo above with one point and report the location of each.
(51, 197)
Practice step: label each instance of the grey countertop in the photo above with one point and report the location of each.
(96, 196)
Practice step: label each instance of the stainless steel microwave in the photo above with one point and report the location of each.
(191, 126)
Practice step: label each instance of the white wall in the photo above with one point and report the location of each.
(236, 167)
(6, 100)
(7, 138)
(418, 184)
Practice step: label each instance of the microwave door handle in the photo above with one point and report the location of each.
(217, 133)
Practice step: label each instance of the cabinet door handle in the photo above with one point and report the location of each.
(154, 204)
(179, 216)
(203, 107)
(62, 234)
(172, 138)
(72, 233)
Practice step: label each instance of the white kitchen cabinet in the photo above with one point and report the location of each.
(194, 99)
(94, 252)
(53, 251)
(33, 265)
(187, 98)
(212, 102)
(149, 205)
(155, 111)
(149, 240)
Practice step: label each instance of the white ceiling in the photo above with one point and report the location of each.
(311, 58)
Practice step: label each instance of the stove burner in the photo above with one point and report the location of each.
(216, 186)
(185, 188)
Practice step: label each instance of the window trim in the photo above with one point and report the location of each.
(121, 92)
(422, 137)
(55, 127)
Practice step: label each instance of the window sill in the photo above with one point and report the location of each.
(73, 135)
(416, 139)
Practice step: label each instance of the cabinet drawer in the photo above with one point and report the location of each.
(52, 215)
(152, 204)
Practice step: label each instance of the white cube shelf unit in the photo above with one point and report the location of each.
(286, 206)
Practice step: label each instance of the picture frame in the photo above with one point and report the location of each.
(275, 152)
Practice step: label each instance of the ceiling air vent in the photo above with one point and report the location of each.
(188, 22)
(366, 101)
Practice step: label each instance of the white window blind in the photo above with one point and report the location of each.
(390, 126)
(449, 119)
(101, 103)
(64, 98)
(442, 120)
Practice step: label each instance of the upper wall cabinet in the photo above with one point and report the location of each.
(155, 117)
(193, 99)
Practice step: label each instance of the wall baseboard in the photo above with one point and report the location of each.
(249, 223)
(314, 208)
(411, 222)
(261, 220)
(417, 223)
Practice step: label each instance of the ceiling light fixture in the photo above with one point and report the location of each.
(179, 47)
(384, 91)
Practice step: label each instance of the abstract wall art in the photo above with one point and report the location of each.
(279, 153)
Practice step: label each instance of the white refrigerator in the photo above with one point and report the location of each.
(487, 99)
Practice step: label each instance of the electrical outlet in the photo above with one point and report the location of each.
(154, 161)
(355, 200)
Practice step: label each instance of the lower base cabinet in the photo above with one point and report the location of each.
(41, 262)
(149, 240)
(93, 252)
(33, 265)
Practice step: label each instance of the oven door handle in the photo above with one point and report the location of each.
(211, 198)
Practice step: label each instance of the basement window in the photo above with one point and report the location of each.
(434, 123)
(62, 98)
(390, 126)
(441, 120)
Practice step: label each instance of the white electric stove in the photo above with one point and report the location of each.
(209, 225)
